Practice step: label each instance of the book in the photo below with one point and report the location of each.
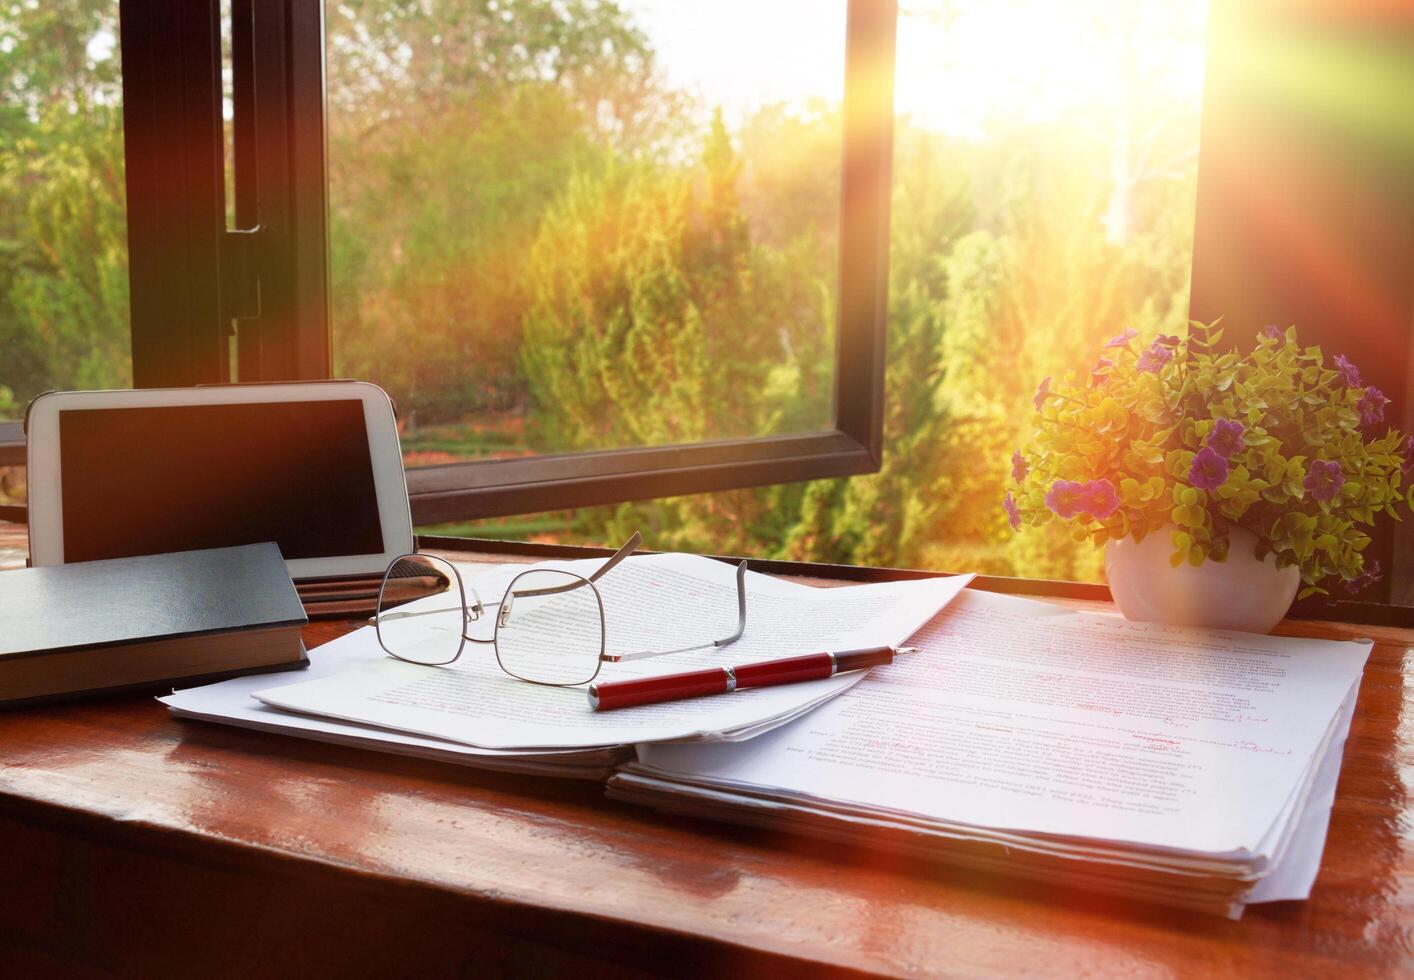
(1190, 768)
(128, 623)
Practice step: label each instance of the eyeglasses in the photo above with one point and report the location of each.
(548, 627)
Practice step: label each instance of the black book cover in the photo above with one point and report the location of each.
(156, 686)
(147, 598)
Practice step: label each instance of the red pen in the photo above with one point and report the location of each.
(725, 680)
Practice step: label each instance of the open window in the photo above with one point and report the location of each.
(501, 212)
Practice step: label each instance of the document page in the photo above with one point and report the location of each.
(231, 701)
(1294, 872)
(1026, 716)
(651, 602)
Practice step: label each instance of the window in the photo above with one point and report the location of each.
(282, 213)
(586, 286)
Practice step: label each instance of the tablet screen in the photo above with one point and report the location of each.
(141, 481)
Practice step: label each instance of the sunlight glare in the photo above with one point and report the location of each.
(962, 68)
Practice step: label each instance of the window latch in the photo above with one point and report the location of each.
(240, 273)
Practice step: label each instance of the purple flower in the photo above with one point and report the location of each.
(1272, 332)
(1066, 498)
(1323, 479)
(1408, 450)
(1349, 373)
(1166, 340)
(1123, 339)
(1018, 466)
(1153, 358)
(1096, 498)
(1365, 579)
(1209, 470)
(1100, 370)
(1372, 406)
(1043, 391)
(1227, 438)
(1101, 500)
(1013, 512)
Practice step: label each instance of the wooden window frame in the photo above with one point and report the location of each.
(195, 282)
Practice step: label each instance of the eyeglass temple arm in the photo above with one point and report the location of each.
(740, 607)
(629, 547)
(615, 658)
(411, 613)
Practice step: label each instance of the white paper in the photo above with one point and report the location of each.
(231, 702)
(650, 602)
(1294, 873)
(1106, 871)
(1028, 717)
(1291, 875)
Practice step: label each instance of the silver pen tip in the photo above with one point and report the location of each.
(905, 650)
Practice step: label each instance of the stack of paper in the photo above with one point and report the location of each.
(1186, 767)
(234, 703)
(474, 713)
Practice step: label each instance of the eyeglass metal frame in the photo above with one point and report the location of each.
(473, 612)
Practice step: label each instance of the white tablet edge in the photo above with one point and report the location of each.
(46, 525)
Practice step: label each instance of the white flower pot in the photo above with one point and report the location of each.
(1240, 593)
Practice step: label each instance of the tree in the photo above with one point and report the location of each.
(63, 236)
(995, 283)
(452, 127)
(395, 62)
(429, 245)
(653, 319)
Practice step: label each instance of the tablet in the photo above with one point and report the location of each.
(313, 466)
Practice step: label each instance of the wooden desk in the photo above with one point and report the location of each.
(135, 843)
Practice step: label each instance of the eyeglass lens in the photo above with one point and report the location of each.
(425, 630)
(550, 628)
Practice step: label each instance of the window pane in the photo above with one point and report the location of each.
(561, 226)
(63, 233)
(1044, 177)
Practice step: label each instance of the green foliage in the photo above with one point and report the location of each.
(63, 234)
(442, 170)
(428, 295)
(653, 319)
(1188, 439)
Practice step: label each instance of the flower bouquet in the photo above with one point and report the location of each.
(1275, 448)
